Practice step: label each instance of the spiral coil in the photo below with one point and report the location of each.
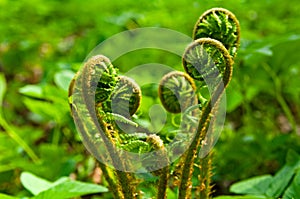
(219, 24)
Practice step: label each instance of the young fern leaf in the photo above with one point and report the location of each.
(136, 146)
(177, 92)
(125, 98)
(93, 86)
(134, 142)
(128, 137)
(219, 24)
(106, 75)
(205, 60)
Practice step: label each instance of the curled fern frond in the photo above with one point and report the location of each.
(101, 77)
(207, 60)
(219, 24)
(125, 99)
(93, 85)
(177, 91)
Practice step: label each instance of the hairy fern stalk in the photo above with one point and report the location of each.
(114, 99)
(209, 58)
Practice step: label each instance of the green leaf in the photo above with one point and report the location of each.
(251, 92)
(68, 189)
(2, 88)
(241, 197)
(254, 186)
(284, 52)
(33, 183)
(4, 196)
(283, 177)
(48, 110)
(32, 91)
(63, 79)
(293, 159)
(294, 190)
(63, 188)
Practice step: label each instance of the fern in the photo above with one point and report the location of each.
(219, 24)
(103, 104)
(177, 92)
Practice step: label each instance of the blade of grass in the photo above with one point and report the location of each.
(11, 133)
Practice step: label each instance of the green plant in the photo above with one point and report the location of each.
(210, 62)
(62, 188)
(114, 99)
(43, 42)
(125, 94)
(284, 184)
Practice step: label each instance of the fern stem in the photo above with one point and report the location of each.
(163, 183)
(127, 188)
(123, 177)
(112, 185)
(185, 183)
(187, 170)
(204, 189)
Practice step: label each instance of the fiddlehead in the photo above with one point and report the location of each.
(208, 61)
(109, 77)
(177, 92)
(125, 98)
(114, 99)
(219, 24)
(93, 85)
(123, 103)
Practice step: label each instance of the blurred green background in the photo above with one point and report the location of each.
(43, 43)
